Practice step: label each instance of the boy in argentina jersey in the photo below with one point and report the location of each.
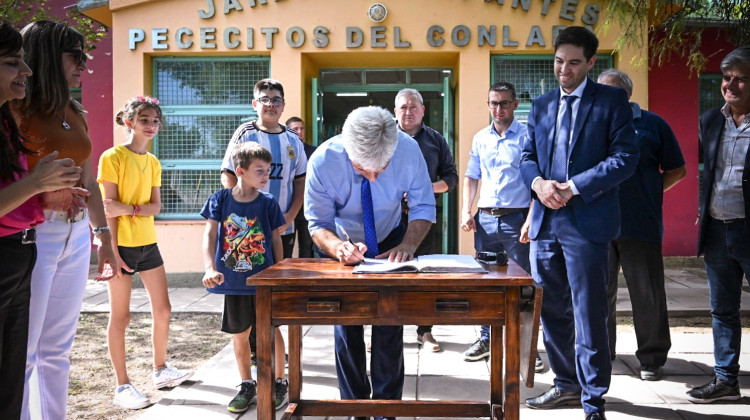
(289, 162)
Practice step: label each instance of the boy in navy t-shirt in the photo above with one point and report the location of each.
(241, 239)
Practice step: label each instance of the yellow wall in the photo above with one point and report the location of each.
(296, 66)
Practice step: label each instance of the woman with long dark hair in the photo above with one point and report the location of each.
(49, 119)
(20, 213)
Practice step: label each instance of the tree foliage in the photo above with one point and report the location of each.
(676, 27)
(20, 13)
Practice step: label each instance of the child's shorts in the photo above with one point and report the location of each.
(140, 258)
(239, 313)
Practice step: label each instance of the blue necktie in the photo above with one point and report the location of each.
(371, 237)
(559, 170)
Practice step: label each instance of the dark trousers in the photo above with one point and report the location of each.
(574, 273)
(287, 242)
(495, 234)
(387, 358)
(643, 268)
(304, 240)
(431, 244)
(16, 262)
(727, 259)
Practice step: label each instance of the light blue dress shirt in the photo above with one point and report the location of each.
(495, 159)
(333, 190)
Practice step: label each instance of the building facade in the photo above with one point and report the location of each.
(201, 58)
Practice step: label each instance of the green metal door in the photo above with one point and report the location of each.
(448, 216)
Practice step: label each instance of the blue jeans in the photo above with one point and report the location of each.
(727, 258)
(495, 234)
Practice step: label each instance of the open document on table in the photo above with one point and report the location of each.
(435, 263)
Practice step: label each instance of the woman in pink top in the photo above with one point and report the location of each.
(20, 212)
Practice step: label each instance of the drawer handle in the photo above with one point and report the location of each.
(323, 306)
(451, 305)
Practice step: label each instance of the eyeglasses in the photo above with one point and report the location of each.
(503, 104)
(276, 101)
(79, 55)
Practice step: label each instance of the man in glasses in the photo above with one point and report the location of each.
(503, 199)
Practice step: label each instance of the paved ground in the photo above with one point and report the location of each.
(445, 375)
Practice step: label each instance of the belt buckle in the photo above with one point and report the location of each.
(28, 237)
(77, 218)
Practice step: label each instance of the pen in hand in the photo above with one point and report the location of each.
(347, 235)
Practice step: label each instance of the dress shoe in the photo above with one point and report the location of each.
(554, 398)
(651, 373)
(595, 416)
(538, 364)
(428, 341)
(358, 418)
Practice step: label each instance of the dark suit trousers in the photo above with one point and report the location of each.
(643, 268)
(387, 360)
(573, 272)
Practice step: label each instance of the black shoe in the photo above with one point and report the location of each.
(358, 418)
(714, 391)
(554, 398)
(595, 416)
(479, 350)
(538, 364)
(651, 373)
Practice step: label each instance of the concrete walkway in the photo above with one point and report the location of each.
(445, 375)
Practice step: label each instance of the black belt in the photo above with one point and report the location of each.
(26, 236)
(728, 221)
(502, 211)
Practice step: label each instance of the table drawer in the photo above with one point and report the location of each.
(452, 307)
(319, 305)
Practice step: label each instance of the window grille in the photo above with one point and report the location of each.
(533, 75)
(203, 100)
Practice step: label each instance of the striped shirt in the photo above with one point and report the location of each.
(288, 160)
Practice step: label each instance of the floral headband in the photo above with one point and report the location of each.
(148, 99)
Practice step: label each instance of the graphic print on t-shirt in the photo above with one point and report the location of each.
(243, 243)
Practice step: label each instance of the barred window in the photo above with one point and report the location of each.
(532, 75)
(203, 100)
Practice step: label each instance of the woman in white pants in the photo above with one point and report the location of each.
(49, 119)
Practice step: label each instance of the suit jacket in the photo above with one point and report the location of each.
(711, 131)
(603, 153)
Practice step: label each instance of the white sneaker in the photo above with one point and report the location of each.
(169, 376)
(126, 396)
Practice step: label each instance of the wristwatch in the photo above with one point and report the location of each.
(99, 230)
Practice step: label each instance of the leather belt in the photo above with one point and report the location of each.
(62, 216)
(502, 211)
(728, 221)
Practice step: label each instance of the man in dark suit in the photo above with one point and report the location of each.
(580, 145)
(724, 236)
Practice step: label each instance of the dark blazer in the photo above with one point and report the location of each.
(711, 130)
(603, 153)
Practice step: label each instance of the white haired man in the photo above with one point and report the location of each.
(356, 181)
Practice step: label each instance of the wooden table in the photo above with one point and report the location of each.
(299, 292)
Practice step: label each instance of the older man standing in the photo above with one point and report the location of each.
(409, 112)
(356, 182)
(724, 228)
(638, 248)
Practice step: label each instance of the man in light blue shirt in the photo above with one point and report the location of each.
(503, 198)
(369, 150)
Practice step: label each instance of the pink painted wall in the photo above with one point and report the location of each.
(673, 94)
